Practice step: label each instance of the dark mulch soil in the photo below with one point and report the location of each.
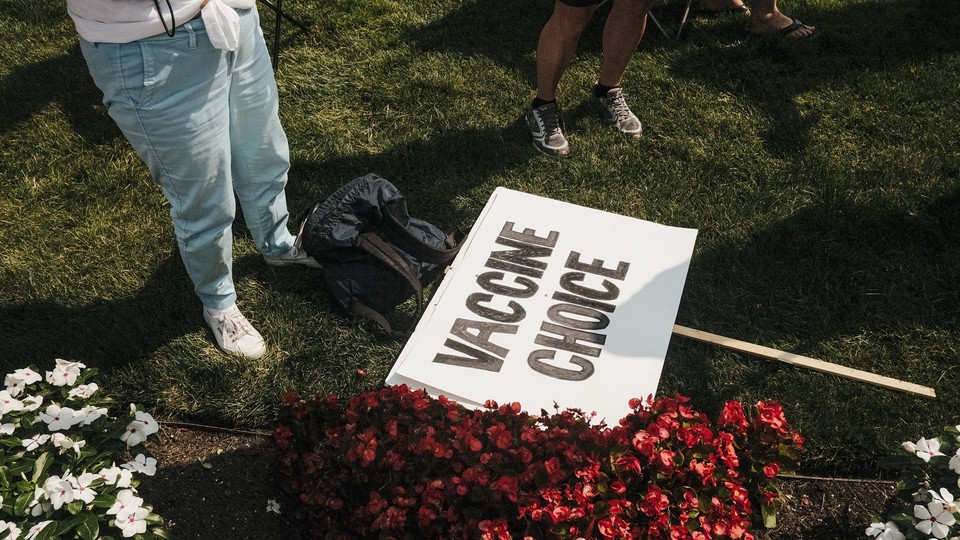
(214, 484)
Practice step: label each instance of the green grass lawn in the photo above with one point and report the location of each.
(824, 178)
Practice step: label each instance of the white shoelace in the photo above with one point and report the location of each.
(620, 107)
(235, 324)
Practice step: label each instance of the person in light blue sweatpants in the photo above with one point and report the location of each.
(205, 122)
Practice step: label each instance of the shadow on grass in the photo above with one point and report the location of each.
(63, 81)
(855, 40)
(429, 173)
(878, 286)
(107, 333)
(830, 271)
(509, 36)
(510, 32)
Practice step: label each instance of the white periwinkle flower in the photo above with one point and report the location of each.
(7, 429)
(124, 477)
(945, 498)
(81, 487)
(58, 491)
(39, 507)
(11, 528)
(927, 448)
(955, 462)
(934, 519)
(150, 425)
(273, 506)
(36, 529)
(133, 523)
(84, 391)
(35, 442)
(142, 464)
(109, 474)
(885, 531)
(89, 415)
(8, 403)
(65, 373)
(17, 381)
(126, 502)
(65, 443)
(14, 385)
(32, 403)
(139, 429)
(115, 476)
(58, 418)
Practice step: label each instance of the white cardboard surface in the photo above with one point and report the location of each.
(494, 323)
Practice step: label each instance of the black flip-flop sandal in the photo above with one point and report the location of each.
(783, 34)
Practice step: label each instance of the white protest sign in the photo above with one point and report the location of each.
(548, 302)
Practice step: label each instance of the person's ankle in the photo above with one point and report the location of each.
(539, 102)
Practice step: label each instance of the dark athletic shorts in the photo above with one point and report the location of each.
(583, 3)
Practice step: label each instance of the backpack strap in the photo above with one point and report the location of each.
(372, 244)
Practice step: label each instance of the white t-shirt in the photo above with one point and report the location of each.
(123, 21)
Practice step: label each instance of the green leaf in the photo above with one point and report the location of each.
(49, 532)
(41, 465)
(104, 500)
(90, 527)
(75, 506)
(21, 466)
(769, 512)
(22, 504)
(10, 441)
(66, 526)
(162, 534)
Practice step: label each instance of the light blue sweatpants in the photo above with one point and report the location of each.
(205, 122)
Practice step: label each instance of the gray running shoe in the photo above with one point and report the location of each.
(615, 111)
(546, 126)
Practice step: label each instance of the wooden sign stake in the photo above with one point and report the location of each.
(803, 361)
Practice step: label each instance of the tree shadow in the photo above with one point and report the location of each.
(430, 173)
(830, 273)
(510, 33)
(832, 270)
(63, 81)
(856, 39)
(106, 333)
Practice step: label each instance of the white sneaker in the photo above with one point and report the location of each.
(296, 255)
(234, 333)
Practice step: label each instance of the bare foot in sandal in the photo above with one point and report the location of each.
(767, 20)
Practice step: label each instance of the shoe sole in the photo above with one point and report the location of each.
(562, 151)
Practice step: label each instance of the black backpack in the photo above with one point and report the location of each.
(374, 254)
